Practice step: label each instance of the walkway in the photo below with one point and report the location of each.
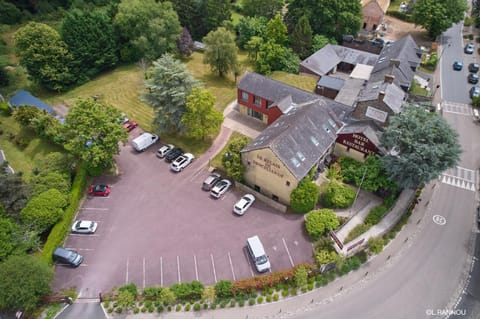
(243, 124)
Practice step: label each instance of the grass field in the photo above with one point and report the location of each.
(23, 159)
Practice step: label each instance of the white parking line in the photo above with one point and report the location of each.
(213, 265)
(84, 249)
(84, 235)
(288, 252)
(161, 271)
(143, 272)
(93, 208)
(196, 173)
(178, 269)
(196, 268)
(231, 265)
(126, 275)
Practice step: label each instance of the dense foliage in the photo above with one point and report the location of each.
(43, 210)
(250, 27)
(437, 16)
(376, 214)
(318, 222)
(14, 193)
(262, 8)
(301, 38)
(232, 159)
(304, 198)
(188, 291)
(338, 195)
(221, 51)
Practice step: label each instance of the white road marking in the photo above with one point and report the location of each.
(213, 265)
(84, 235)
(178, 269)
(196, 173)
(83, 249)
(439, 220)
(196, 268)
(161, 271)
(143, 272)
(126, 276)
(93, 208)
(288, 252)
(231, 266)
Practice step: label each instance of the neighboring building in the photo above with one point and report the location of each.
(285, 152)
(373, 12)
(358, 140)
(22, 98)
(266, 99)
(378, 101)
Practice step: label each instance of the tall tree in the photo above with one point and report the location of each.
(91, 39)
(168, 86)
(216, 11)
(232, 159)
(276, 31)
(44, 55)
(437, 16)
(200, 119)
(191, 14)
(319, 41)
(422, 146)
(221, 51)
(301, 38)
(262, 8)
(250, 27)
(25, 279)
(15, 240)
(14, 193)
(93, 132)
(330, 18)
(148, 28)
(275, 57)
(185, 43)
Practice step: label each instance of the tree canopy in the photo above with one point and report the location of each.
(14, 193)
(14, 239)
(148, 28)
(221, 51)
(262, 8)
(43, 210)
(232, 159)
(200, 119)
(44, 55)
(301, 38)
(422, 145)
(436, 16)
(318, 222)
(93, 131)
(25, 279)
(330, 18)
(168, 86)
(304, 198)
(249, 27)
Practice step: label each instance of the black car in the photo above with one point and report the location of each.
(173, 154)
(473, 78)
(473, 67)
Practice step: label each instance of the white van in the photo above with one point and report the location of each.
(145, 140)
(256, 251)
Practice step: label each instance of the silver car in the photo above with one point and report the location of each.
(84, 227)
(220, 188)
(162, 151)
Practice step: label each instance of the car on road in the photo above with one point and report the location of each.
(99, 190)
(457, 65)
(243, 204)
(469, 48)
(472, 78)
(130, 125)
(84, 227)
(210, 181)
(220, 188)
(181, 162)
(162, 151)
(474, 92)
(473, 67)
(67, 256)
(173, 154)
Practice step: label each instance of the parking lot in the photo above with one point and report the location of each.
(158, 227)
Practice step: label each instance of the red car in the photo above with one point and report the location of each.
(130, 125)
(99, 190)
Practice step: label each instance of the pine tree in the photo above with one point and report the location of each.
(301, 38)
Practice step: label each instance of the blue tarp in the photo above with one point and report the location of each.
(25, 98)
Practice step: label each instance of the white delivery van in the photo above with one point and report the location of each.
(145, 140)
(256, 251)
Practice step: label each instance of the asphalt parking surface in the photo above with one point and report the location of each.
(158, 227)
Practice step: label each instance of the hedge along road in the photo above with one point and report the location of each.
(158, 227)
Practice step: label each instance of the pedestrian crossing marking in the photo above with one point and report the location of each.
(460, 177)
(457, 108)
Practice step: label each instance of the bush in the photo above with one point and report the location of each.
(187, 307)
(323, 256)
(300, 277)
(232, 303)
(160, 309)
(375, 215)
(357, 231)
(188, 291)
(376, 245)
(294, 291)
(304, 198)
(468, 21)
(275, 297)
(268, 298)
(310, 286)
(285, 293)
(338, 195)
(400, 15)
(118, 310)
(196, 307)
(205, 306)
(131, 287)
(213, 305)
(169, 308)
(241, 303)
(151, 291)
(166, 296)
(223, 289)
(318, 222)
(260, 300)
(251, 301)
(136, 310)
(148, 303)
(178, 308)
(144, 309)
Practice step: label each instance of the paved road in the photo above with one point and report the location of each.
(82, 311)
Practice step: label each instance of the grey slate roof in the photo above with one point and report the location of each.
(325, 59)
(331, 82)
(394, 96)
(280, 94)
(368, 128)
(406, 51)
(300, 137)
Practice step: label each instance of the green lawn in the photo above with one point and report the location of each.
(304, 82)
(23, 159)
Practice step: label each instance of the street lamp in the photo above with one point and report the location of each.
(359, 188)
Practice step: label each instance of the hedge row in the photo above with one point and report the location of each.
(62, 228)
(376, 214)
(400, 15)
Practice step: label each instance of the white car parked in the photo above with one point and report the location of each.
(181, 162)
(162, 151)
(243, 204)
(84, 227)
(220, 188)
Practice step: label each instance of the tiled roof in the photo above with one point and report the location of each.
(368, 128)
(331, 82)
(394, 96)
(300, 137)
(384, 4)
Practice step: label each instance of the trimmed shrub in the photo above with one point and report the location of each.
(144, 309)
(276, 297)
(400, 15)
(187, 307)
(148, 303)
(136, 310)
(310, 286)
(213, 305)
(131, 288)
(376, 245)
(205, 306)
(232, 303)
(169, 308)
(338, 195)
(196, 307)
(285, 293)
(294, 291)
(300, 277)
(223, 289)
(151, 309)
(188, 291)
(260, 300)
(166, 296)
(304, 198)
(160, 309)
(151, 291)
(357, 231)
(178, 308)
(375, 215)
(268, 298)
(251, 301)
(118, 310)
(318, 222)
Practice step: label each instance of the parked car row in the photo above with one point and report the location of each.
(473, 68)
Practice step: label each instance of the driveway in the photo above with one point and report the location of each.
(159, 228)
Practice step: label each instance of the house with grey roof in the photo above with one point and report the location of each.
(285, 152)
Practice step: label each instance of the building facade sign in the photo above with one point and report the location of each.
(376, 114)
(267, 165)
(358, 142)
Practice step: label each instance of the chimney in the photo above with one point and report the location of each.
(381, 95)
(389, 78)
(395, 62)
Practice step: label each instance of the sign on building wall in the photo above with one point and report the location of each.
(358, 142)
(268, 165)
(376, 114)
